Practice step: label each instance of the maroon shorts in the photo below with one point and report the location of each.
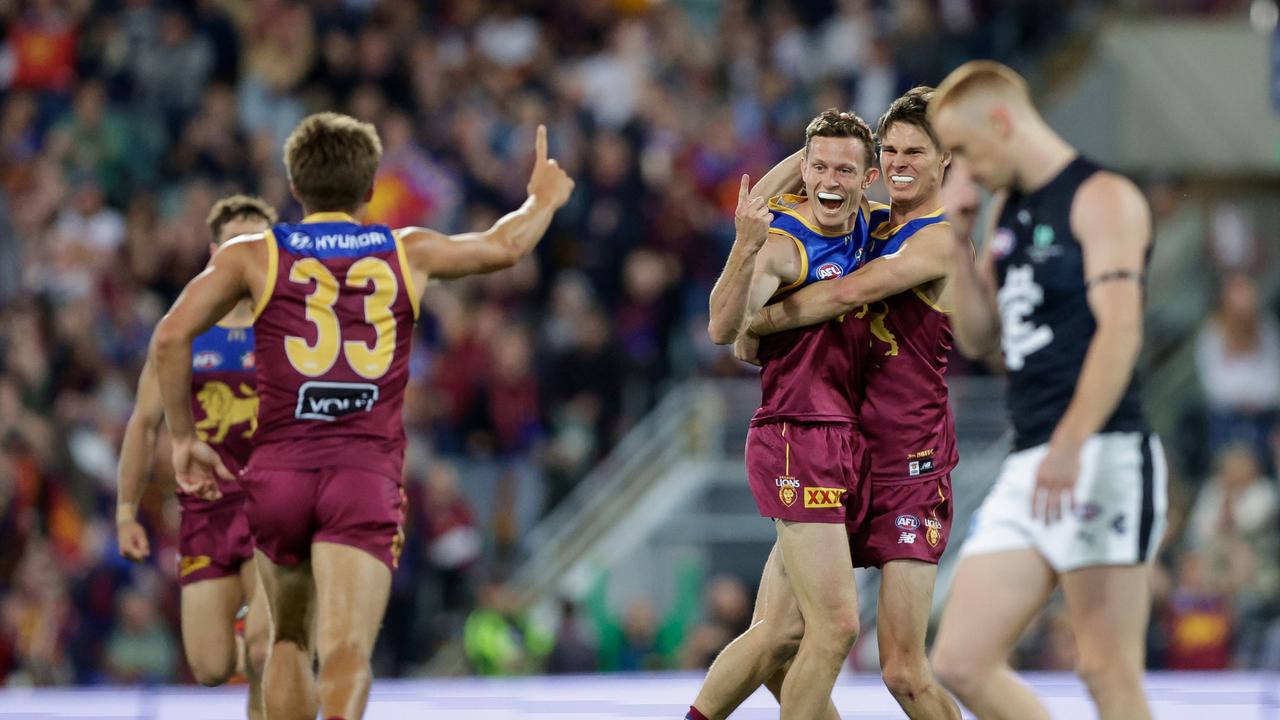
(906, 521)
(806, 472)
(213, 540)
(290, 509)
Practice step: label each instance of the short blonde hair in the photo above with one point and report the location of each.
(235, 206)
(987, 76)
(331, 160)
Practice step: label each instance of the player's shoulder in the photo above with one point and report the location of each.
(1107, 200)
(787, 202)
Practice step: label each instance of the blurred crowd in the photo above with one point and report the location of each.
(122, 122)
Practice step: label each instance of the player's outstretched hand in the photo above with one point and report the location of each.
(550, 185)
(752, 217)
(132, 539)
(196, 468)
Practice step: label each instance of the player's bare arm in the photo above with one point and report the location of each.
(233, 273)
(924, 258)
(975, 317)
(1110, 217)
(777, 265)
(136, 453)
(433, 254)
(728, 310)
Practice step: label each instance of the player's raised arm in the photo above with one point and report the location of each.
(923, 258)
(975, 317)
(207, 298)
(136, 453)
(434, 254)
(781, 178)
(728, 304)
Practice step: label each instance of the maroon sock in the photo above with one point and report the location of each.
(694, 714)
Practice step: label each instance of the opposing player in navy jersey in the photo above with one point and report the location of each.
(335, 301)
(214, 545)
(1080, 503)
(803, 447)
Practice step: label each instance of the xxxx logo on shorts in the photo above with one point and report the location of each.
(788, 487)
(933, 531)
(188, 564)
(818, 497)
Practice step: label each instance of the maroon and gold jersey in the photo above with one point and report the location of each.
(813, 374)
(223, 401)
(906, 416)
(333, 334)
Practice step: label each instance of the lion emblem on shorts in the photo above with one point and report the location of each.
(878, 328)
(223, 409)
(788, 489)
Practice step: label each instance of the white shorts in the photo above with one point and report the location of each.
(1120, 506)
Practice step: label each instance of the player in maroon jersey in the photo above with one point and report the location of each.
(335, 302)
(905, 418)
(803, 448)
(214, 570)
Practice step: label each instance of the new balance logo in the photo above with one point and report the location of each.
(822, 497)
(907, 539)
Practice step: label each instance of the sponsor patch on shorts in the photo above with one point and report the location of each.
(818, 497)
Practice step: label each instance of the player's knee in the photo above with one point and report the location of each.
(844, 627)
(256, 649)
(906, 678)
(1105, 675)
(210, 670)
(957, 673)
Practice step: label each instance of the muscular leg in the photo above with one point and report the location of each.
(758, 653)
(352, 587)
(209, 610)
(992, 600)
(288, 683)
(1108, 607)
(906, 596)
(816, 557)
(257, 637)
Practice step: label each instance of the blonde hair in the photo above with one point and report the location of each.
(331, 160)
(235, 206)
(986, 76)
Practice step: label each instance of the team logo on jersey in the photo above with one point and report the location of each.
(907, 522)
(820, 497)
(329, 401)
(1018, 299)
(932, 531)
(788, 488)
(299, 240)
(1042, 247)
(206, 360)
(876, 320)
(829, 271)
(223, 408)
(248, 361)
(1002, 242)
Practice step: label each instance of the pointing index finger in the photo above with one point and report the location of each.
(540, 143)
(744, 188)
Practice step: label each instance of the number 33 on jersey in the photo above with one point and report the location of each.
(333, 332)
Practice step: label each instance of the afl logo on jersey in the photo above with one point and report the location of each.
(206, 359)
(829, 271)
(907, 522)
(1002, 242)
(299, 241)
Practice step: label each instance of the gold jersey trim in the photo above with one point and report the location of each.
(273, 267)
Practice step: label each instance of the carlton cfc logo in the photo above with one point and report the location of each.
(829, 271)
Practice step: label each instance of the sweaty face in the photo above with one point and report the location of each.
(242, 225)
(834, 179)
(910, 164)
(977, 139)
